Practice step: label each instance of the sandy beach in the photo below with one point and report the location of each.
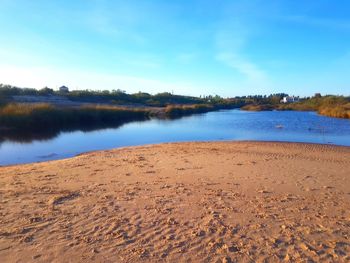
(181, 202)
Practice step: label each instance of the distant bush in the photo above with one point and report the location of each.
(120, 97)
(8, 90)
(332, 106)
(257, 107)
(182, 110)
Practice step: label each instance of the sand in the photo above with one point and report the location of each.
(183, 202)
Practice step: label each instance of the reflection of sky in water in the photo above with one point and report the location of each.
(223, 125)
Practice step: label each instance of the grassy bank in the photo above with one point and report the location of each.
(332, 106)
(184, 110)
(45, 120)
(257, 107)
(339, 111)
(25, 122)
(45, 116)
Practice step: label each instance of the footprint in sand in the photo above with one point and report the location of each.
(58, 200)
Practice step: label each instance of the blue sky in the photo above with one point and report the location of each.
(188, 47)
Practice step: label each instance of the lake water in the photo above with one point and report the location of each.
(214, 126)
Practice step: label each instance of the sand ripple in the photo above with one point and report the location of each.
(185, 202)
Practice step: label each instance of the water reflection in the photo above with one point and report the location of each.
(49, 133)
(26, 146)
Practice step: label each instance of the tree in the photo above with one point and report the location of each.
(46, 91)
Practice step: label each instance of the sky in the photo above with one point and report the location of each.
(190, 47)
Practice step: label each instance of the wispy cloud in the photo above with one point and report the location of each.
(116, 20)
(252, 72)
(234, 33)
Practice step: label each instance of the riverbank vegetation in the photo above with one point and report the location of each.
(116, 97)
(332, 106)
(257, 107)
(45, 116)
(120, 106)
(38, 116)
(40, 121)
(182, 110)
(173, 111)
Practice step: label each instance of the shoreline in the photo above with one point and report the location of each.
(199, 201)
(166, 143)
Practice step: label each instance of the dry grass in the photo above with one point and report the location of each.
(341, 111)
(181, 110)
(24, 109)
(332, 106)
(257, 107)
(46, 116)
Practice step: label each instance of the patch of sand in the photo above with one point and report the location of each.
(183, 202)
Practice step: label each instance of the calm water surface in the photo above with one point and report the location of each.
(222, 125)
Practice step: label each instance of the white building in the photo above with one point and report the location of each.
(289, 99)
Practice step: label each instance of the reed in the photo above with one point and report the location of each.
(340, 111)
(182, 110)
(257, 107)
(46, 116)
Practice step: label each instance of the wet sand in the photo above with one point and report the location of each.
(182, 202)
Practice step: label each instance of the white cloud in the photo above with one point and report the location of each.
(234, 32)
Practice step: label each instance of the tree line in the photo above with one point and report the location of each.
(121, 97)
